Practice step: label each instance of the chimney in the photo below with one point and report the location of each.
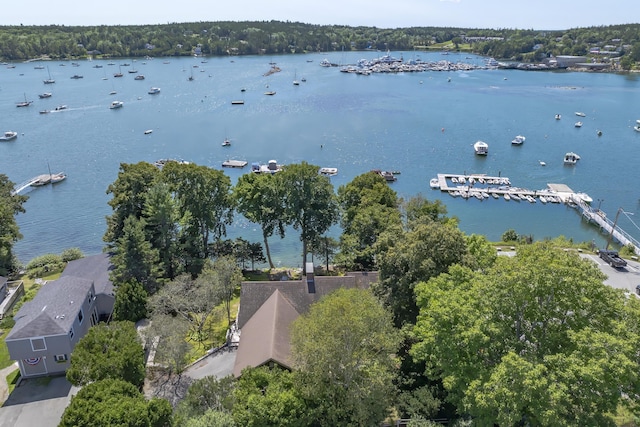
(311, 285)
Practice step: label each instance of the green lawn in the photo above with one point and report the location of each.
(4, 351)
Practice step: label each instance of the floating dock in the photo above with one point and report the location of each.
(481, 186)
(234, 164)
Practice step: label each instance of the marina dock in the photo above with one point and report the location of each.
(481, 186)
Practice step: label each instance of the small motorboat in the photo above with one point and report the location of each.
(571, 158)
(518, 140)
(154, 91)
(148, 131)
(226, 142)
(9, 136)
(558, 116)
(434, 183)
(116, 104)
(578, 124)
(45, 95)
(580, 114)
(328, 171)
(542, 163)
(481, 148)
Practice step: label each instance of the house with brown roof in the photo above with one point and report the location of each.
(48, 327)
(267, 310)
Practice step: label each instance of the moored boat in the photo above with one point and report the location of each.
(518, 140)
(558, 116)
(154, 91)
(481, 148)
(45, 95)
(578, 124)
(9, 135)
(571, 158)
(226, 142)
(328, 171)
(116, 104)
(434, 183)
(580, 114)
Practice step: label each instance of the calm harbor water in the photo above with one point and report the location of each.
(419, 124)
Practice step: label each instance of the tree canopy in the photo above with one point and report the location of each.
(114, 402)
(343, 349)
(10, 206)
(108, 351)
(537, 339)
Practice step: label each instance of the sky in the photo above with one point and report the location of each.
(520, 14)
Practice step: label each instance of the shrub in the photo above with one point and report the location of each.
(71, 254)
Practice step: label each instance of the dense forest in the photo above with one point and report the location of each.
(19, 43)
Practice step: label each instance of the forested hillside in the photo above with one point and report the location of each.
(275, 37)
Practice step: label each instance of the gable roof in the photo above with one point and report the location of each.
(95, 268)
(254, 294)
(53, 309)
(265, 337)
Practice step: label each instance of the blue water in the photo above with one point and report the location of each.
(418, 123)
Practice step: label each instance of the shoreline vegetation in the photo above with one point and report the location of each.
(617, 45)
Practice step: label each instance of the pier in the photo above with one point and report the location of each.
(29, 183)
(481, 186)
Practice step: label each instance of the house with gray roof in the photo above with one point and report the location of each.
(267, 310)
(48, 327)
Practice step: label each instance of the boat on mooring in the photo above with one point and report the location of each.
(571, 158)
(328, 171)
(9, 136)
(481, 148)
(116, 104)
(518, 140)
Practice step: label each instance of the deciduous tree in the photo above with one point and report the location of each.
(112, 402)
(108, 351)
(537, 339)
(10, 206)
(309, 201)
(343, 350)
(260, 199)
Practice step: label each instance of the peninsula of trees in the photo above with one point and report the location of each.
(19, 43)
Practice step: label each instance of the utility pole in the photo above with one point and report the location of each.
(613, 229)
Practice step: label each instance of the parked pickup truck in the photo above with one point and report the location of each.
(612, 258)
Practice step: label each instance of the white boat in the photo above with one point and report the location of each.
(454, 193)
(116, 104)
(271, 92)
(154, 90)
(578, 124)
(271, 167)
(148, 131)
(542, 163)
(49, 80)
(45, 95)
(57, 177)
(139, 77)
(9, 135)
(571, 158)
(60, 108)
(506, 196)
(518, 140)
(579, 114)
(481, 148)
(434, 183)
(328, 171)
(558, 116)
(542, 199)
(226, 142)
(636, 128)
(514, 196)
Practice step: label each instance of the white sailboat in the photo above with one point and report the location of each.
(49, 80)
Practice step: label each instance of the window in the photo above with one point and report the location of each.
(61, 357)
(80, 316)
(71, 334)
(38, 344)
